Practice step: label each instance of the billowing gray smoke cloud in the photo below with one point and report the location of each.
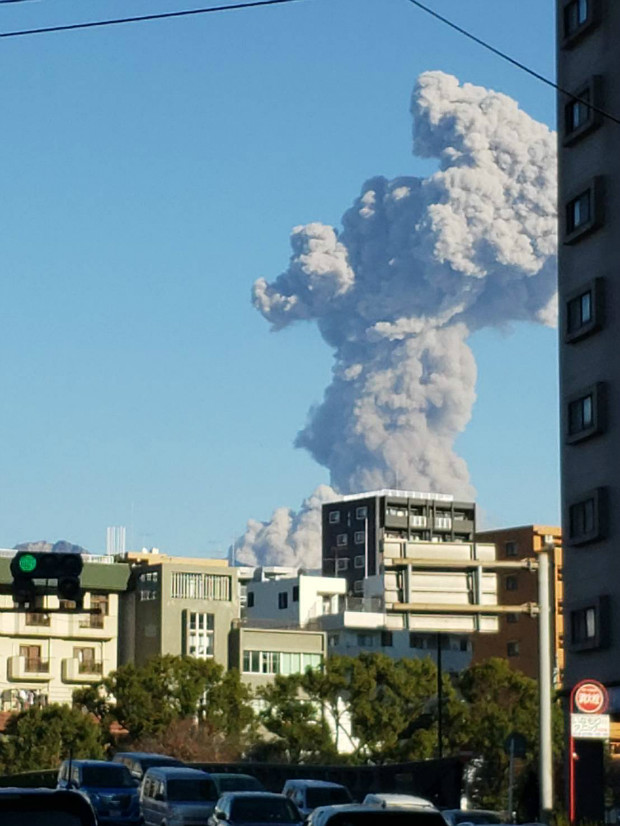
(419, 265)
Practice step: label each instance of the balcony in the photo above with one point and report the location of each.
(38, 619)
(76, 671)
(28, 669)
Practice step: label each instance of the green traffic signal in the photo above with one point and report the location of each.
(27, 563)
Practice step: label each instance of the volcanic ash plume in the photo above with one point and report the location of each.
(419, 265)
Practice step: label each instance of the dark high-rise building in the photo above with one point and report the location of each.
(355, 526)
(588, 63)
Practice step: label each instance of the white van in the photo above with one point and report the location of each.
(180, 795)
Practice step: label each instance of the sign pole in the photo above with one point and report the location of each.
(544, 685)
(511, 779)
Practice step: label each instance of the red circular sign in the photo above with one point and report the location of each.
(591, 697)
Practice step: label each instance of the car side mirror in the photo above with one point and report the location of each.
(221, 816)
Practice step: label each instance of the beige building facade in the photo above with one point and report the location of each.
(45, 656)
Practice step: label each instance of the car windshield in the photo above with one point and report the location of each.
(477, 817)
(389, 817)
(327, 796)
(191, 789)
(110, 776)
(238, 783)
(264, 810)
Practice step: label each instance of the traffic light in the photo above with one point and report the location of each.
(33, 572)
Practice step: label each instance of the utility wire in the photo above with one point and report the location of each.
(514, 62)
(139, 19)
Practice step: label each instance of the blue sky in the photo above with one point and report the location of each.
(150, 173)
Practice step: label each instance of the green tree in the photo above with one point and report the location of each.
(299, 732)
(386, 698)
(146, 699)
(40, 738)
(500, 701)
(227, 708)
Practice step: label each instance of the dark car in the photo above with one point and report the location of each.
(44, 807)
(255, 809)
(109, 788)
(139, 761)
(480, 817)
(359, 815)
(232, 782)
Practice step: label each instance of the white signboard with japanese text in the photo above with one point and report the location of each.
(590, 726)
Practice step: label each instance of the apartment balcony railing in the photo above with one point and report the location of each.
(38, 619)
(28, 669)
(81, 671)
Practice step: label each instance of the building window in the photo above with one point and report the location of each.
(279, 662)
(579, 16)
(334, 517)
(147, 596)
(200, 586)
(511, 548)
(250, 599)
(387, 639)
(359, 562)
(585, 413)
(511, 582)
(361, 513)
(418, 641)
(589, 624)
(464, 644)
(295, 593)
(102, 603)
(584, 212)
(582, 112)
(86, 661)
(342, 540)
(200, 631)
(512, 617)
(586, 518)
(33, 661)
(365, 640)
(342, 564)
(360, 537)
(512, 649)
(584, 310)
(358, 586)
(334, 639)
(282, 600)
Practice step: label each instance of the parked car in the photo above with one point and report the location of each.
(44, 807)
(255, 809)
(109, 787)
(307, 795)
(230, 782)
(359, 815)
(139, 761)
(386, 801)
(479, 817)
(176, 795)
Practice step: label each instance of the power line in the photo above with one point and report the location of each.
(514, 62)
(142, 18)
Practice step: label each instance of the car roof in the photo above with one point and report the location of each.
(91, 763)
(140, 755)
(176, 771)
(410, 799)
(318, 784)
(254, 794)
(231, 774)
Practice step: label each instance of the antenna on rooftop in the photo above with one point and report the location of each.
(115, 540)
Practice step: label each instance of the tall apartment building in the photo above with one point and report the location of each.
(589, 228)
(517, 636)
(354, 528)
(177, 605)
(43, 656)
